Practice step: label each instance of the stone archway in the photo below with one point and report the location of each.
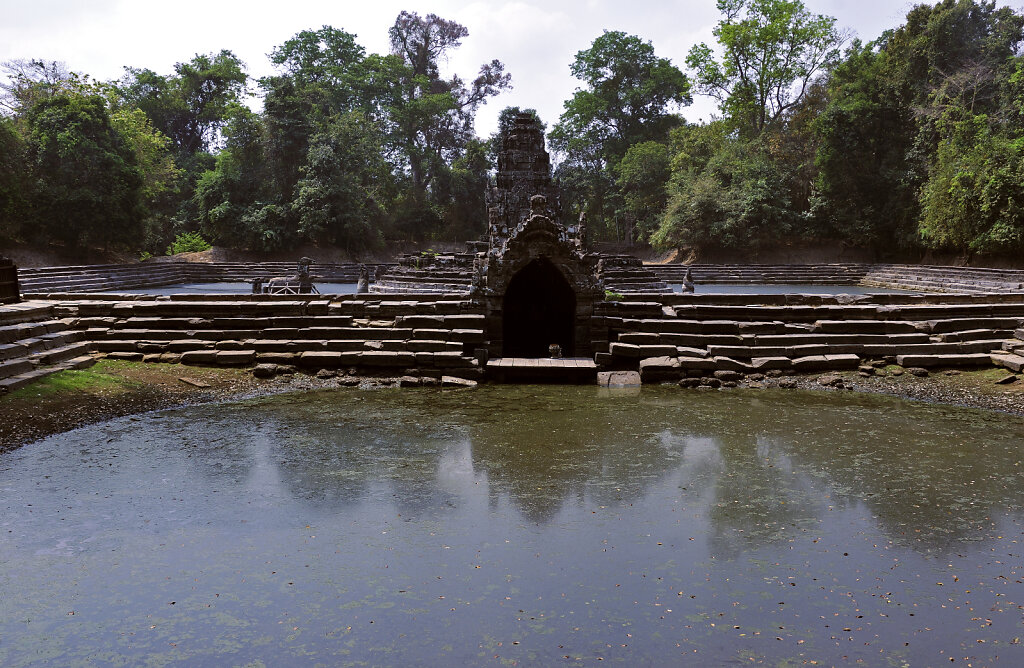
(538, 309)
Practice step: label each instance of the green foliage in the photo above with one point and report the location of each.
(14, 180)
(739, 199)
(628, 99)
(629, 92)
(612, 296)
(87, 188)
(773, 49)
(641, 178)
(188, 242)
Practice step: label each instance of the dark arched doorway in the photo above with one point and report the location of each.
(539, 309)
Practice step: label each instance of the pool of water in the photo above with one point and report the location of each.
(788, 289)
(529, 525)
(225, 289)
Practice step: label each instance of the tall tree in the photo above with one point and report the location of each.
(773, 50)
(629, 97)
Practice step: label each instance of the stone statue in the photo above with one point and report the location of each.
(363, 286)
(688, 280)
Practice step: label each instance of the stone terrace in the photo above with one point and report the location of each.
(666, 337)
(107, 277)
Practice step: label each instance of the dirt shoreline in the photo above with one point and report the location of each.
(115, 389)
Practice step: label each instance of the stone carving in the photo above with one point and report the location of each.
(363, 285)
(688, 285)
(298, 283)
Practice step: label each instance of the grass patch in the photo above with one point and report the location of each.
(94, 380)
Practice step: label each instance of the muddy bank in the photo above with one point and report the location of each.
(112, 389)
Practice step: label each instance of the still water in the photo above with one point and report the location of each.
(521, 525)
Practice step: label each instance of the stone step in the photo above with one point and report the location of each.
(1009, 361)
(15, 367)
(928, 361)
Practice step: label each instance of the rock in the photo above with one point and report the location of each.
(1007, 380)
(774, 373)
(618, 379)
(756, 385)
(264, 370)
(896, 372)
(455, 381)
(705, 388)
(689, 383)
(728, 375)
(410, 381)
(952, 372)
(787, 383)
(830, 380)
(714, 383)
(866, 369)
(730, 383)
(348, 381)
(755, 377)
(324, 374)
(918, 371)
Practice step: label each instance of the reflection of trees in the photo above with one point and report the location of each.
(922, 471)
(561, 444)
(766, 466)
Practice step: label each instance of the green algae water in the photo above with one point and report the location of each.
(520, 526)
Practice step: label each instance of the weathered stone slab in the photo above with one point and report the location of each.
(927, 361)
(730, 364)
(236, 357)
(618, 379)
(687, 363)
(1009, 361)
(321, 359)
(771, 363)
(387, 358)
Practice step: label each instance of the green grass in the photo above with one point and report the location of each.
(92, 380)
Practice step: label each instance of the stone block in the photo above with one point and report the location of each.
(730, 364)
(467, 335)
(381, 358)
(455, 381)
(618, 379)
(687, 363)
(630, 350)
(236, 357)
(769, 363)
(655, 369)
(276, 357)
(321, 359)
(126, 357)
(431, 334)
(199, 357)
(639, 338)
(928, 361)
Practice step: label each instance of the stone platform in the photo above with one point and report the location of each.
(565, 371)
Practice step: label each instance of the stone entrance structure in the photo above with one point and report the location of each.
(536, 281)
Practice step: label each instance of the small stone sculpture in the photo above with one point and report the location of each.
(363, 286)
(688, 285)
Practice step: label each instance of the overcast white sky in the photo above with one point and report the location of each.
(537, 40)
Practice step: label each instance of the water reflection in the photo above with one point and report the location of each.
(438, 528)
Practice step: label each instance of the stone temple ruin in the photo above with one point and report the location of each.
(536, 280)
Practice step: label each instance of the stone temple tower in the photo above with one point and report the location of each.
(535, 278)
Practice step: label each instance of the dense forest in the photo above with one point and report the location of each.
(909, 143)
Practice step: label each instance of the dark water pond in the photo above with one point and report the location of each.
(788, 289)
(226, 289)
(538, 526)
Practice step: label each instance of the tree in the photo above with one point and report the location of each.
(341, 197)
(192, 105)
(430, 118)
(14, 180)
(628, 98)
(642, 176)
(87, 187)
(773, 50)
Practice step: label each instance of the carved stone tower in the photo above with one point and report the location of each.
(535, 281)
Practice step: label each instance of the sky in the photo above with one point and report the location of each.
(536, 40)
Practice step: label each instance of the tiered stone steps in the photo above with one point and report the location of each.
(945, 279)
(670, 341)
(836, 274)
(1012, 354)
(367, 335)
(43, 281)
(34, 343)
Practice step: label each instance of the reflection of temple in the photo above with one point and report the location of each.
(536, 281)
